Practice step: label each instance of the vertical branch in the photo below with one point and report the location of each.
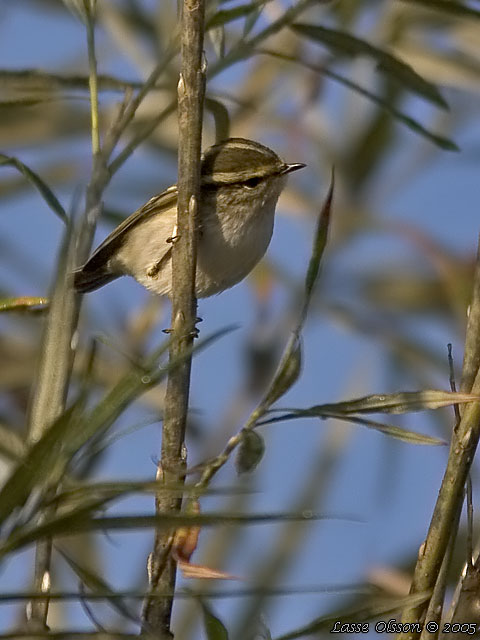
(191, 89)
(56, 357)
(464, 443)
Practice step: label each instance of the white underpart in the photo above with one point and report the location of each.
(228, 248)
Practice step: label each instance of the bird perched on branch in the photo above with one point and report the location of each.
(241, 181)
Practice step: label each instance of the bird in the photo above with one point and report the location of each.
(241, 181)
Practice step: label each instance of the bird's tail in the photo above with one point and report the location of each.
(85, 280)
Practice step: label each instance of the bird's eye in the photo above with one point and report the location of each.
(252, 183)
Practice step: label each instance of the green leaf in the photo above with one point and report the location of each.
(32, 102)
(287, 373)
(130, 387)
(377, 609)
(251, 20)
(47, 460)
(289, 368)
(387, 429)
(44, 190)
(80, 521)
(216, 36)
(250, 452)
(97, 584)
(43, 465)
(214, 627)
(452, 7)
(221, 117)
(12, 446)
(319, 244)
(347, 44)
(401, 402)
(403, 118)
(34, 80)
(399, 433)
(81, 496)
(24, 303)
(82, 9)
(224, 16)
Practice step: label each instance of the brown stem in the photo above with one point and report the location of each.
(462, 450)
(191, 89)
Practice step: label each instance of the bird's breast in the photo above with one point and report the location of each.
(229, 249)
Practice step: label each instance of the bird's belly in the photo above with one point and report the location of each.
(222, 261)
(222, 264)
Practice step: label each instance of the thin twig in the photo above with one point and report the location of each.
(469, 543)
(471, 358)
(245, 49)
(130, 109)
(92, 76)
(142, 135)
(435, 606)
(191, 90)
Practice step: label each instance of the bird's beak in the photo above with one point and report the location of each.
(288, 168)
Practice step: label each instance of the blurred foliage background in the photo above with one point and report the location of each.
(387, 93)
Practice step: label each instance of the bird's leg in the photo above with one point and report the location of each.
(193, 334)
(156, 267)
(174, 237)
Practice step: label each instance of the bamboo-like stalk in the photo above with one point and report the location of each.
(462, 451)
(191, 90)
(56, 359)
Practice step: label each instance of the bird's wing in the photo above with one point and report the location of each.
(155, 206)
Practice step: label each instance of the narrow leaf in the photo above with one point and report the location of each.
(290, 364)
(347, 44)
(43, 464)
(402, 402)
(287, 374)
(32, 102)
(216, 35)
(224, 16)
(214, 627)
(390, 430)
(377, 609)
(405, 435)
(79, 522)
(319, 244)
(440, 141)
(221, 117)
(44, 190)
(109, 491)
(447, 6)
(251, 20)
(47, 460)
(130, 387)
(97, 584)
(12, 446)
(79, 8)
(250, 452)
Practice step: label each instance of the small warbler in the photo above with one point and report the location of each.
(241, 181)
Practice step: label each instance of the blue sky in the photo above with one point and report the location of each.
(380, 491)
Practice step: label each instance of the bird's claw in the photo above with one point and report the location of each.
(194, 333)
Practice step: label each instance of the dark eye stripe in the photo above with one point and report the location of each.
(252, 183)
